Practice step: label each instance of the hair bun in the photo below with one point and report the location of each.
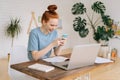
(52, 8)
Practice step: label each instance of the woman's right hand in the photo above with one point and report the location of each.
(57, 42)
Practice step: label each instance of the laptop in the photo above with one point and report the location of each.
(82, 55)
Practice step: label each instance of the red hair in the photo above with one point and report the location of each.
(50, 13)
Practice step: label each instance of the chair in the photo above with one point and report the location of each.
(18, 55)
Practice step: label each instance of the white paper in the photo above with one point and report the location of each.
(41, 67)
(55, 59)
(102, 60)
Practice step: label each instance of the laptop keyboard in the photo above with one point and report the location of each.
(66, 65)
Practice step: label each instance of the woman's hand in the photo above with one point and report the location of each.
(62, 42)
(57, 42)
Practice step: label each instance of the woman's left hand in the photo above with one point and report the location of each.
(62, 42)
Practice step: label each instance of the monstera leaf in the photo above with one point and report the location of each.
(111, 33)
(78, 8)
(79, 23)
(107, 20)
(96, 36)
(83, 32)
(98, 7)
(99, 33)
(102, 34)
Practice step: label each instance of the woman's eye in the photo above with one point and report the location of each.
(53, 25)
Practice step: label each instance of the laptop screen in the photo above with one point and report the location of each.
(83, 55)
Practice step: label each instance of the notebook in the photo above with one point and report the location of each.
(55, 59)
(41, 67)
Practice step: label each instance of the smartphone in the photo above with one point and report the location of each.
(64, 36)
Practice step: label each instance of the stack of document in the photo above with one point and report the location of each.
(56, 59)
(41, 67)
(102, 60)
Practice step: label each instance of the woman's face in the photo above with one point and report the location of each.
(51, 24)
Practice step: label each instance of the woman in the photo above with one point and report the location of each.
(43, 39)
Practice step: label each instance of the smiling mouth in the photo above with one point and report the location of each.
(50, 30)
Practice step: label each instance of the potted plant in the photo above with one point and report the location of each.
(100, 23)
(13, 29)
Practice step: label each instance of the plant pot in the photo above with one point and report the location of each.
(103, 43)
(104, 51)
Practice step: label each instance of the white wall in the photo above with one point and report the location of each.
(23, 8)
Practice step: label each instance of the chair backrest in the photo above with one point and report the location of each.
(18, 54)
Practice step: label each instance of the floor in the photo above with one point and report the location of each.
(4, 69)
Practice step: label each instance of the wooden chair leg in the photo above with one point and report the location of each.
(8, 57)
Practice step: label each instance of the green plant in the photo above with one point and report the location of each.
(100, 32)
(13, 29)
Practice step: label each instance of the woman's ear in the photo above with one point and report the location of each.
(43, 22)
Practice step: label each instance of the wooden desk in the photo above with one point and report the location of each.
(110, 72)
(57, 73)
